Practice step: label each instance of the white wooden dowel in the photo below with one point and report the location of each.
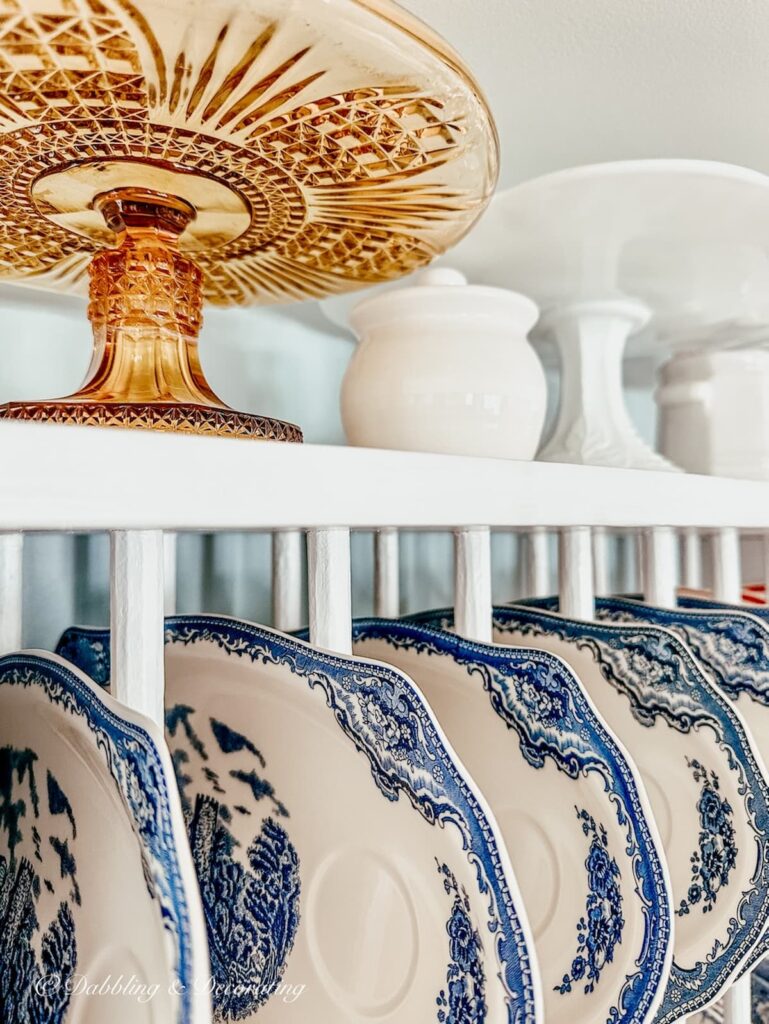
(11, 579)
(575, 573)
(287, 579)
(629, 563)
(169, 573)
(472, 583)
(727, 587)
(387, 598)
(659, 567)
(691, 560)
(601, 562)
(136, 620)
(727, 569)
(536, 564)
(330, 588)
(738, 1008)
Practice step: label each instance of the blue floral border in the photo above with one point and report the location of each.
(685, 698)
(135, 765)
(423, 771)
(744, 669)
(578, 742)
(703, 627)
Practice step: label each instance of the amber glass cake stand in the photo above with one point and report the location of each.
(161, 152)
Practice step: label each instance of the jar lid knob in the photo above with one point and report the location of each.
(443, 277)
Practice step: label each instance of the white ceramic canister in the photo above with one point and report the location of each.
(444, 366)
(713, 412)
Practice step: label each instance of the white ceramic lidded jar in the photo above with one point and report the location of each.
(444, 366)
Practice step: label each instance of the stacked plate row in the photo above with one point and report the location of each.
(568, 825)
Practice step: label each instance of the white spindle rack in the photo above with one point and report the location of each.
(575, 573)
(386, 573)
(727, 587)
(140, 486)
(472, 582)
(287, 579)
(11, 550)
(536, 555)
(660, 567)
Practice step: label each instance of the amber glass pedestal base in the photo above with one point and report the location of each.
(171, 417)
(146, 309)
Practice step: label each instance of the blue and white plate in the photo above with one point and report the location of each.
(730, 641)
(707, 789)
(744, 649)
(732, 645)
(576, 821)
(100, 914)
(350, 868)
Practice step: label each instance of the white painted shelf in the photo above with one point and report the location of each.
(81, 478)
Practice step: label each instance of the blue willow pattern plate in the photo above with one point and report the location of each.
(662, 682)
(386, 720)
(627, 905)
(73, 763)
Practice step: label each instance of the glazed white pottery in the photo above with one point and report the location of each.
(100, 914)
(443, 366)
(713, 412)
(703, 775)
(593, 425)
(685, 239)
(350, 869)
(576, 820)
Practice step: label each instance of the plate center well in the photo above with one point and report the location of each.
(362, 931)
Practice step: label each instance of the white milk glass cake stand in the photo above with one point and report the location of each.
(605, 250)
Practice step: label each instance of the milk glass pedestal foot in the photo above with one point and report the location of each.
(593, 426)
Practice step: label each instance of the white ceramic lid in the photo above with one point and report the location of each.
(444, 292)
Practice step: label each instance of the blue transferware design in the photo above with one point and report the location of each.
(599, 932)
(716, 855)
(252, 910)
(542, 702)
(462, 1001)
(732, 643)
(661, 680)
(385, 717)
(88, 648)
(23, 995)
(134, 763)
